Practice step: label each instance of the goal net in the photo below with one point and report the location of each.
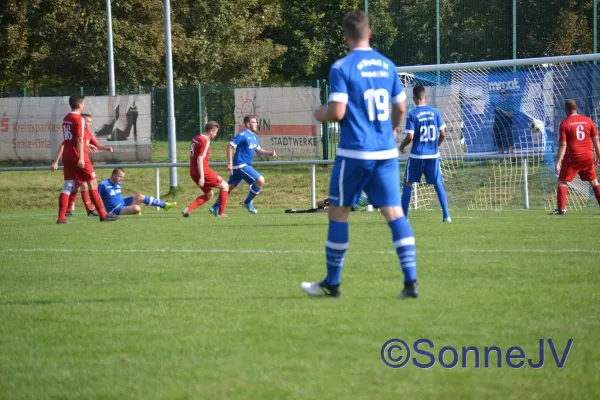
(502, 122)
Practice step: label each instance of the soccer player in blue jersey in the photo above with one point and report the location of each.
(424, 157)
(114, 203)
(369, 101)
(239, 164)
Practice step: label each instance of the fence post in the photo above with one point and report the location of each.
(157, 184)
(325, 125)
(313, 186)
(24, 92)
(524, 168)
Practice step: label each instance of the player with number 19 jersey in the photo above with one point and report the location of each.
(366, 159)
(424, 123)
(367, 82)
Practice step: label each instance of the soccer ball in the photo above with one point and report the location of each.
(537, 127)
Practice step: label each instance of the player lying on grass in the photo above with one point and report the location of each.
(115, 204)
(323, 205)
(92, 146)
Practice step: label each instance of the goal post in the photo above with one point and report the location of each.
(502, 121)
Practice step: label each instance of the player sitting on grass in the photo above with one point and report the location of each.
(115, 204)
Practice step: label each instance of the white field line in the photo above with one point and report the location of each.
(267, 251)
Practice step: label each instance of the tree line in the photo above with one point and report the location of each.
(54, 43)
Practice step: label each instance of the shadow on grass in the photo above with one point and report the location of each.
(134, 300)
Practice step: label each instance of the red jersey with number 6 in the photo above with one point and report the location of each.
(577, 131)
(200, 147)
(73, 127)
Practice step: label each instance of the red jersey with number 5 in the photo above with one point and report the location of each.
(73, 127)
(200, 148)
(578, 131)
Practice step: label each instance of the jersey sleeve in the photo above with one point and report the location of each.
(593, 130)
(409, 129)
(439, 121)
(93, 139)
(339, 88)
(239, 138)
(398, 93)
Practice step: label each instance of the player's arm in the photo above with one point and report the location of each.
(596, 143)
(95, 142)
(200, 163)
(332, 112)
(230, 157)
(54, 165)
(406, 142)
(335, 110)
(264, 152)
(562, 149)
(442, 136)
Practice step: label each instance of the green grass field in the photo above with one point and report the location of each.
(161, 307)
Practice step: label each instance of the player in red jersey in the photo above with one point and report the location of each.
(202, 175)
(578, 138)
(92, 146)
(74, 162)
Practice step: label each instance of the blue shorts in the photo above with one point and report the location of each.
(380, 179)
(430, 167)
(247, 173)
(116, 210)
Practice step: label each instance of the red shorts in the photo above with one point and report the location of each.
(72, 172)
(211, 180)
(585, 169)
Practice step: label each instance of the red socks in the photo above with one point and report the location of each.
(197, 203)
(223, 196)
(63, 202)
(597, 193)
(97, 201)
(561, 198)
(87, 202)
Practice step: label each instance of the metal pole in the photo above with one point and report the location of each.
(514, 30)
(111, 61)
(313, 186)
(170, 97)
(595, 29)
(438, 53)
(157, 184)
(525, 183)
(366, 12)
(200, 108)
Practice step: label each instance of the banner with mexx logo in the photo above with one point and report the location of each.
(31, 127)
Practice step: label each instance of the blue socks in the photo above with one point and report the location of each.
(335, 249)
(151, 201)
(406, 193)
(252, 193)
(404, 242)
(441, 194)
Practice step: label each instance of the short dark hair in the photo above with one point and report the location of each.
(116, 170)
(571, 105)
(356, 25)
(210, 125)
(419, 92)
(247, 118)
(85, 115)
(75, 100)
